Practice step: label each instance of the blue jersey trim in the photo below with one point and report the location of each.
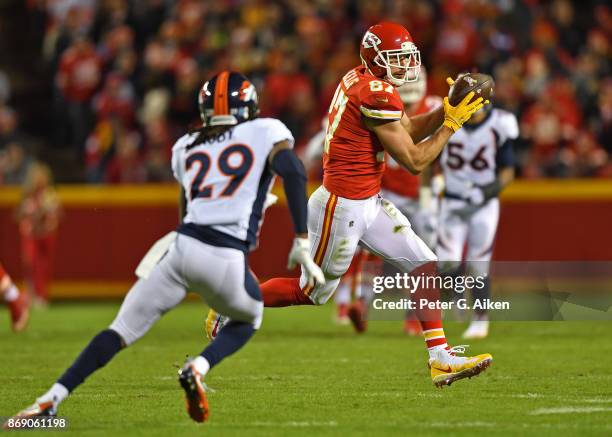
(211, 236)
(250, 282)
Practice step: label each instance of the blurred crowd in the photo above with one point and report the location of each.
(126, 73)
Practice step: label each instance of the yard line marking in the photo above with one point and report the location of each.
(598, 401)
(296, 424)
(570, 410)
(462, 424)
(527, 396)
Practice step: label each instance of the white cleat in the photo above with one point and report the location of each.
(477, 329)
(448, 366)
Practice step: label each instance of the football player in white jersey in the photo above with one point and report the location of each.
(225, 169)
(477, 164)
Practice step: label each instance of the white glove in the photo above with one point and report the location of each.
(475, 196)
(300, 254)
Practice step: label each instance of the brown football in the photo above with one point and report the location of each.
(481, 84)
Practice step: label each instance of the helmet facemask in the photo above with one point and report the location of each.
(406, 62)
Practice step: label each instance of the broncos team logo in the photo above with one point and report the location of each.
(370, 40)
(248, 92)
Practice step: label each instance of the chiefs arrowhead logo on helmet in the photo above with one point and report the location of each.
(370, 40)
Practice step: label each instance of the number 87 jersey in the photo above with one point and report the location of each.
(226, 177)
(353, 157)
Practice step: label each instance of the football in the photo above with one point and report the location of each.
(481, 84)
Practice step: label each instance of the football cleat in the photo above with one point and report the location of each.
(47, 409)
(448, 367)
(195, 392)
(477, 329)
(214, 323)
(20, 312)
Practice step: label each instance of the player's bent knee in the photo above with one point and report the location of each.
(127, 335)
(320, 298)
(250, 313)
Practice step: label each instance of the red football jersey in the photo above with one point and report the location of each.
(397, 179)
(353, 158)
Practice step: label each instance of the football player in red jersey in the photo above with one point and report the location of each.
(412, 195)
(366, 120)
(16, 301)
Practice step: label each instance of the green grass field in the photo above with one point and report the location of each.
(303, 375)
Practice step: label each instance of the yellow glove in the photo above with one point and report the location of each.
(455, 116)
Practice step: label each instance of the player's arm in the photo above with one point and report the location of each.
(400, 145)
(421, 126)
(396, 140)
(505, 175)
(286, 164)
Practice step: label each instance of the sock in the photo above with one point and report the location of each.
(98, 352)
(283, 292)
(201, 365)
(230, 338)
(56, 394)
(434, 338)
(11, 294)
(430, 319)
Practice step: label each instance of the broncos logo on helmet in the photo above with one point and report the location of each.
(227, 99)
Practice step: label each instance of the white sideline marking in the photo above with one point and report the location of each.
(569, 410)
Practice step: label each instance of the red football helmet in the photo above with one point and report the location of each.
(388, 52)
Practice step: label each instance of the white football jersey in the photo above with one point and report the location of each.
(227, 178)
(469, 158)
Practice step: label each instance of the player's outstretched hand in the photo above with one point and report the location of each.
(455, 116)
(300, 254)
